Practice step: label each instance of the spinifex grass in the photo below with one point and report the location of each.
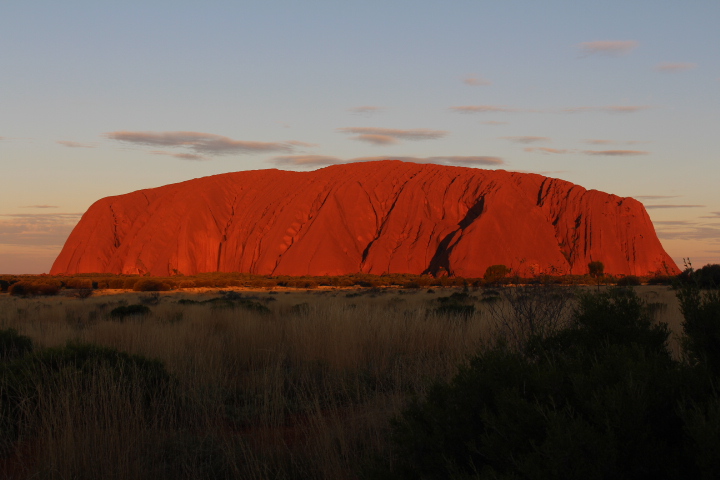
(306, 391)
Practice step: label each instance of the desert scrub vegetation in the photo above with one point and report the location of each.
(601, 397)
(305, 387)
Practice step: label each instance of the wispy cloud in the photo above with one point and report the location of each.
(476, 81)
(688, 232)
(468, 109)
(36, 229)
(674, 206)
(321, 160)
(39, 206)
(713, 215)
(548, 151)
(388, 136)
(366, 109)
(596, 141)
(674, 67)
(607, 109)
(615, 153)
(181, 156)
(376, 139)
(200, 143)
(71, 144)
(526, 139)
(298, 143)
(607, 47)
(654, 197)
(485, 109)
(493, 122)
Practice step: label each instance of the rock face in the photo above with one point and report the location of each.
(374, 217)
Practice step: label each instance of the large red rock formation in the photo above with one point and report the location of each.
(373, 217)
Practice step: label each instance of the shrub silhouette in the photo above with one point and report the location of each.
(122, 312)
(629, 281)
(596, 269)
(150, 285)
(25, 288)
(22, 379)
(600, 399)
(495, 273)
(13, 345)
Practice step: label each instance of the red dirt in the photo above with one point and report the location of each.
(373, 217)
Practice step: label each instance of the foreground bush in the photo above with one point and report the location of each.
(24, 288)
(83, 372)
(150, 285)
(600, 399)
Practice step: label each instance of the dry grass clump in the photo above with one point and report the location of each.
(306, 391)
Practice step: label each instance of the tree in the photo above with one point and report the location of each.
(596, 269)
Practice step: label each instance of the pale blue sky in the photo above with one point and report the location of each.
(546, 82)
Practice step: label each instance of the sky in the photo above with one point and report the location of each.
(104, 98)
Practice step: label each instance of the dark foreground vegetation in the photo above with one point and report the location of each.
(499, 381)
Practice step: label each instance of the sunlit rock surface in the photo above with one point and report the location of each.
(374, 217)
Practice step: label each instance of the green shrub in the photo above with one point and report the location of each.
(122, 312)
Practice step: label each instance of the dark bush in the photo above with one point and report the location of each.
(24, 288)
(124, 311)
(150, 285)
(701, 326)
(13, 345)
(629, 281)
(495, 273)
(23, 378)
(455, 309)
(600, 399)
(660, 280)
(708, 276)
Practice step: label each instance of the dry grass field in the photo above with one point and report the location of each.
(303, 389)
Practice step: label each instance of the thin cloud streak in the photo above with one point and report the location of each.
(182, 156)
(200, 143)
(608, 47)
(607, 109)
(298, 143)
(485, 109)
(412, 134)
(674, 67)
(654, 197)
(39, 206)
(36, 228)
(548, 151)
(674, 206)
(615, 153)
(526, 139)
(595, 141)
(376, 139)
(476, 81)
(470, 109)
(71, 144)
